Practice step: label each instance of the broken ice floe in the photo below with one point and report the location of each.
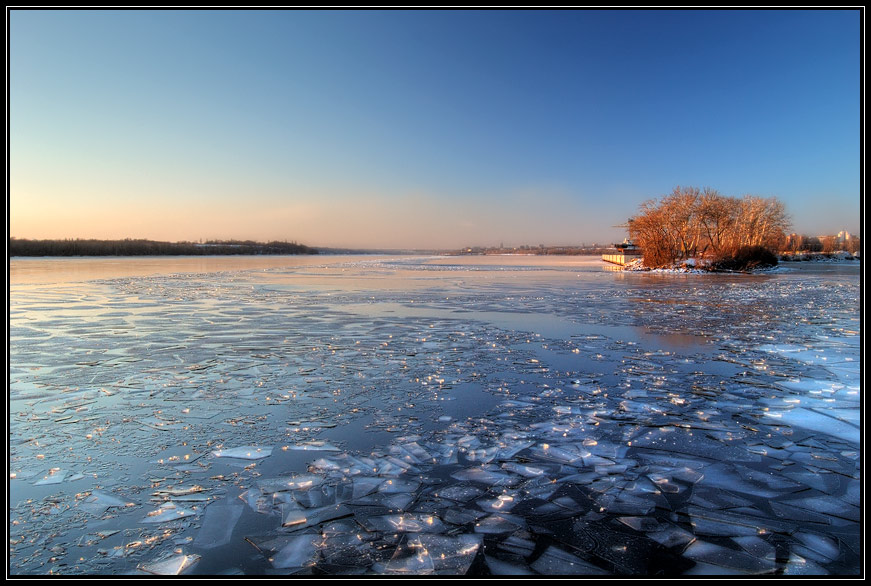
(218, 524)
(54, 476)
(172, 566)
(602, 453)
(428, 554)
(98, 502)
(244, 452)
(168, 512)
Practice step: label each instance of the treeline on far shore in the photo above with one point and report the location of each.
(132, 247)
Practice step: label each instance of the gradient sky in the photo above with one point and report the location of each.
(423, 128)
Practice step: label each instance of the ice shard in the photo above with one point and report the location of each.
(244, 452)
(172, 566)
(219, 522)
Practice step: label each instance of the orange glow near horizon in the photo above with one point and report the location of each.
(366, 221)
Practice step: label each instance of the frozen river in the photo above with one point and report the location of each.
(438, 415)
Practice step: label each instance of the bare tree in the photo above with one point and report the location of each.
(761, 221)
(717, 217)
(829, 244)
(650, 232)
(681, 212)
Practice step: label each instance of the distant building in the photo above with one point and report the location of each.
(625, 253)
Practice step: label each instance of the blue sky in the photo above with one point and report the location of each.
(423, 128)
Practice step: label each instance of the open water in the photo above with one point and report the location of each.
(441, 415)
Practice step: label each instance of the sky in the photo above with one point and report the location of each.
(423, 129)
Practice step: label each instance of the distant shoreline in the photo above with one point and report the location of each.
(90, 248)
(21, 247)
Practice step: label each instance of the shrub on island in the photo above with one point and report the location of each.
(745, 258)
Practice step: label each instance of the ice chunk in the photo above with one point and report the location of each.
(726, 477)
(626, 552)
(483, 455)
(820, 422)
(829, 505)
(485, 476)
(498, 567)
(460, 492)
(300, 551)
(171, 566)
(500, 523)
(257, 502)
(294, 515)
(302, 518)
(512, 448)
(177, 491)
(405, 523)
(644, 524)
(315, 445)
(756, 546)
(723, 557)
(320, 496)
(671, 536)
(457, 516)
(412, 452)
(517, 546)
(828, 483)
(398, 501)
(395, 485)
(582, 478)
(563, 454)
(825, 546)
(799, 566)
(503, 502)
(446, 555)
(98, 502)
(54, 476)
(555, 561)
(793, 513)
(688, 441)
(737, 518)
(218, 524)
(523, 469)
(410, 557)
(705, 525)
(298, 482)
(244, 452)
(168, 512)
(627, 504)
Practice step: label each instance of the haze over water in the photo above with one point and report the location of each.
(431, 415)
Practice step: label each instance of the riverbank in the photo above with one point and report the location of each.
(839, 256)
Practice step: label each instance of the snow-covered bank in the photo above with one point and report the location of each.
(699, 266)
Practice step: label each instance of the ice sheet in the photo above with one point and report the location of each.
(537, 421)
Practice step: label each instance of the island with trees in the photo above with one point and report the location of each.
(704, 229)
